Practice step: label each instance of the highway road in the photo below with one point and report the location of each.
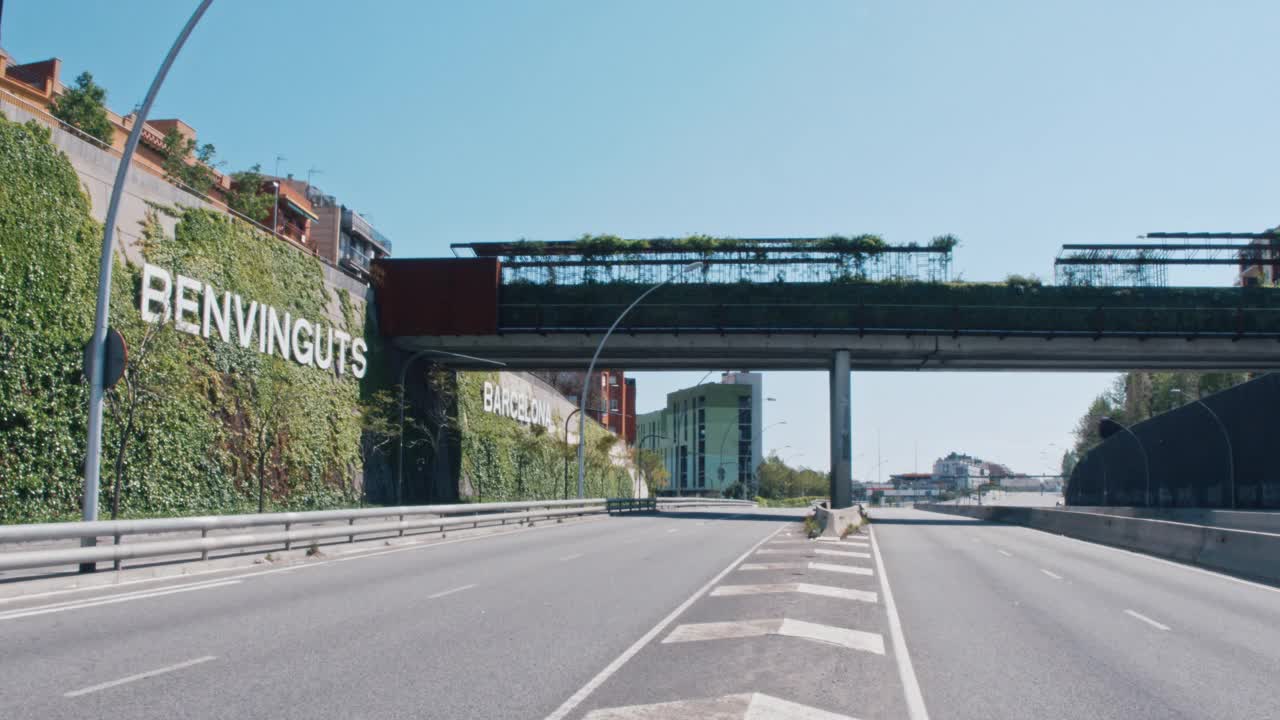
(722, 614)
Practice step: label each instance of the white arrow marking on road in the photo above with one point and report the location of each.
(1147, 620)
(744, 706)
(843, 637)
(139, 676)
(808, 589)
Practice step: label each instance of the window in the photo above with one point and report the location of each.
(613, 404)
(613, 380)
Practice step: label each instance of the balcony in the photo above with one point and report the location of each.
(355, 225)
(354, 260)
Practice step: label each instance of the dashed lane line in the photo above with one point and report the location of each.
(829, 634)
(139, 676)
(1005, 553)
(574, 556)
(1147, 620)
(450, 592)
(1053, 575)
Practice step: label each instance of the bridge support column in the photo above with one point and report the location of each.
(841, 434)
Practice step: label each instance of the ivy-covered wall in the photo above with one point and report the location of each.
(202, 420)
(504, 460)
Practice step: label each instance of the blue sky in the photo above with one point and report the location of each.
(1017, 126)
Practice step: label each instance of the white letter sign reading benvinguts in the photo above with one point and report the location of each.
(196, 308)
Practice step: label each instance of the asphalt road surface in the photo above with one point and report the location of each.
(723, 614)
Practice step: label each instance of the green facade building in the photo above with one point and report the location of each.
(709, 435)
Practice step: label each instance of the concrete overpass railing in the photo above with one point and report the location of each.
(1247, 553)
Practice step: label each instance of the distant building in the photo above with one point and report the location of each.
(709, 435)
(341, 235)
(962, 472)
(611, 401)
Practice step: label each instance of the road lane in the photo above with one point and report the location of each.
(1043, 632)
(364, 638)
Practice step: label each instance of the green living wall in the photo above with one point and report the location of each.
(503, 460)
(203, 421)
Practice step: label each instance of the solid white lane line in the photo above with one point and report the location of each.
(62, 607)
(1055, 576)
(139, 676)
(843, 637)
(574, 556)
(743, 706)
(450, 592)
(576, 699)
(1147, 620)
(806, 588)
(130, 594)
(1005, 553)
(907, 673)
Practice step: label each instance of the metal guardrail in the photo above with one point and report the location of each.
(617, 506)
(419, 517)
(676, 502)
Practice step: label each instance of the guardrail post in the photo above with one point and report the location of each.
(115, 564)
(352, 536)
(402, 526)
(204, 552)
(288, 543)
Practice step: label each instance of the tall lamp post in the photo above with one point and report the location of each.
(98, 343)
(586, 381)
(1231, 459)
(404, 370)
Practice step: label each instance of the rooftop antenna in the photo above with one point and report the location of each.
(310, 171)
(278, 159)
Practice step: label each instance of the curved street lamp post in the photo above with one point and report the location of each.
(98, 343)
(586, 381)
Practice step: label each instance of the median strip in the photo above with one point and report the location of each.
(806, 588)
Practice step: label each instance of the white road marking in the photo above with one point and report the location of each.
(574, 556)
(1055, 576)
(450, 592)
(843, 637)
(673, 530)
(843, 553)
(1147, 620)
(743, 706)
(113, 599)
(806, 588)
(576, 699)
(139, 676)
(910, 685)
(774, 566)
(847, 569)
(1005, 553)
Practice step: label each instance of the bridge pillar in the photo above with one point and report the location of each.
(841, 434)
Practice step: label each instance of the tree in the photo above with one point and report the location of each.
(84, 107)
(652, 469)
(245, 196)
(188, 164)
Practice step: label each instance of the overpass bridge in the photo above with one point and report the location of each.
(834, 304)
